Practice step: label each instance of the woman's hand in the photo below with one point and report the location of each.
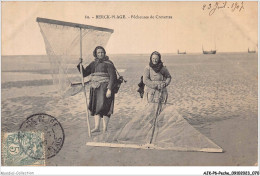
(80, 60)
(161, 86)
(108, 94)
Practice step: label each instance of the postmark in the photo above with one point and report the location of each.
(14, 155)
(53, 135)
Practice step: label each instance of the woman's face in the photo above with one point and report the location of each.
(100, 53)
(155, 59)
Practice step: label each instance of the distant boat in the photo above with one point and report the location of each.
(181, 52)
(252, 51)
(209, 52)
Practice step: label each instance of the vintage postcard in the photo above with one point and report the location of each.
(132, 83)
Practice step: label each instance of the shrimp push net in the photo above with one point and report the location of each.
(156, 126)
(64, 48)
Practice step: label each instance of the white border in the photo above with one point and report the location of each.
(171, 170)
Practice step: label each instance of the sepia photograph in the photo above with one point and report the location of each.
(141, 83)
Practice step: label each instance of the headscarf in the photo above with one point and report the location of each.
(97, 60)
(95, 51)
(156, 67)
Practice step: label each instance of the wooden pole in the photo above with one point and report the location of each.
(152, 146)
(156, 115)
(83, 85)
(76, 25)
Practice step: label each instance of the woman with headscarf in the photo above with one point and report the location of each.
(102, 81)
(143, 127)
(156, 78)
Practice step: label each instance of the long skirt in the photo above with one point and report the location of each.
(99, 104)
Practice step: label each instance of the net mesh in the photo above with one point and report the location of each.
(167, 131)
(62, 45)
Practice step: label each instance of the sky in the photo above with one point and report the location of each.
(190, 27)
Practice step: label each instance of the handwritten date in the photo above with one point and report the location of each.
(213, 7)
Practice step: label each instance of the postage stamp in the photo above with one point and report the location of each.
(13, 153)
(53, 134)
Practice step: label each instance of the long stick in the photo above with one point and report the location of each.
(75, 25)
(156, 115)
(151, 146)
(82, 81)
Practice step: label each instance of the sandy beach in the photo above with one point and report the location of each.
(216, 94)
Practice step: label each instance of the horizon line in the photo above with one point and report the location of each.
(131, 53)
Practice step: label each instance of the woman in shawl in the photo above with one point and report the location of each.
(156, 78)
(143, 128)
(102, 81)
